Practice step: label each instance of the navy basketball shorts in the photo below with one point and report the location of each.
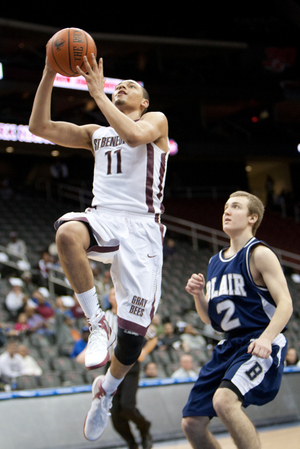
(257, 379)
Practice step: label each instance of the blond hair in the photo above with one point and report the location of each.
(255, 206)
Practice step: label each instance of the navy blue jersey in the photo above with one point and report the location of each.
(236, 304)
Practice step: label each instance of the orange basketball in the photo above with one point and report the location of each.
(66, 49)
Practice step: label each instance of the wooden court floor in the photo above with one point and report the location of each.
(285, 437)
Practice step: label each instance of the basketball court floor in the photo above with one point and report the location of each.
(277, 437)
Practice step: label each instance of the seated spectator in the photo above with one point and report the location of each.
(44, 264)
(186, 368)
(103, 285)
(16, 246)
(169, 339)
(150, 370)
(31, 368)
(191, 339)
(36, 323)
(28, 285)
(43, 307)
(11, 363)
(66, 333)
(291, 358)
(15, 299)
(80, 344)
(156, 321)
(76, 309)
(21, 326)
(169, 248)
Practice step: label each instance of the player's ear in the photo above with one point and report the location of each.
(253, 218)
(145, 103)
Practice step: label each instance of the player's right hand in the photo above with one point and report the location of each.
(195, 284)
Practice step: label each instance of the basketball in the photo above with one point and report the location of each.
(66, 49)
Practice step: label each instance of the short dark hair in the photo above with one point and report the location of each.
(146, 97)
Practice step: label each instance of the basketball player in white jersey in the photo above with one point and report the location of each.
(122, 227)
(247, 297)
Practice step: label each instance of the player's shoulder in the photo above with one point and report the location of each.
(262, 254)
(92, 128)
(154, 115)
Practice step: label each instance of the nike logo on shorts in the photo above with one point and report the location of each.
(150, 257)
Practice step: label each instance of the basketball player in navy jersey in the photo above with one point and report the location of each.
(247, 298)
(122, 227)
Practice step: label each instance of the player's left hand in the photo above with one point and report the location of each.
(261, 347)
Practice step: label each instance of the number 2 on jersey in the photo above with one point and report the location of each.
(227, 322)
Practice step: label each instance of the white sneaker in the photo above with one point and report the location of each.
(97, 417)
(101, 338)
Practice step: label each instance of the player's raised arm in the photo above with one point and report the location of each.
(61, 133)
(195, 286)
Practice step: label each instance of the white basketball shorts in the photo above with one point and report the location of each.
(133, 244)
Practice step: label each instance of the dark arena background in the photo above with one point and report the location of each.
(229, 83)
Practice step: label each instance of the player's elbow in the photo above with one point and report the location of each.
(133, 140)
(34, 127)
(38, 128)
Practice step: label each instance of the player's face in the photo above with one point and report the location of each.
(128, 92)
(236, 215)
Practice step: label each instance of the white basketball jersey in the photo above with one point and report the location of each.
(125, 178)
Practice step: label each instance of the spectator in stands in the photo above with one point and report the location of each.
(43, 307)
(16, 246)
(76, 309)
(66, 332)
(186, 368)
(103, 285)
(150, 370)
(31, 367)
(11, 363)
(44, 264)
(28, 285)
(156, 322)
(36, 322)
(15, 299)
(80, 344)
(191, 339)
(169, 248)
(169, 339)
(21, 326)
(291, 358)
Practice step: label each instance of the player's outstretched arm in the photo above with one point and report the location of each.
(195, 286)
(61, 133)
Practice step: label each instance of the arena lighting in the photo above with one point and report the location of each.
(173, 147)
(79, 83)
(19, 133)
(11, 132)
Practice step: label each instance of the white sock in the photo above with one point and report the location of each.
(89, 303)
(110, 383)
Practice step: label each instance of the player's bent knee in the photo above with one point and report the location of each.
(129, 347)
(226, 397)
(71, 232)
(194, 425)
